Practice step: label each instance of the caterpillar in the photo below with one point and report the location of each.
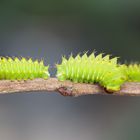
(92, 69)
(132, 72)
(22, 69)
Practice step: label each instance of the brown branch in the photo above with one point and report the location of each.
(66, 88)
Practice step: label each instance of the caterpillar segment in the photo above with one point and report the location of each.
(92, 69)
(22, 69)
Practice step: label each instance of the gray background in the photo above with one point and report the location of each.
(50, 29)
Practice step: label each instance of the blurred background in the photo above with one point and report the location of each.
(50, 29)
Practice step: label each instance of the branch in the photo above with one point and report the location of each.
(66, 88)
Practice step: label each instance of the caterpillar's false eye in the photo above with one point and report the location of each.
(22, 69)
(92, 69)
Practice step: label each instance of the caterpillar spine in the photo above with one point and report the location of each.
(22, 69)
(132, 72)
(92, 69)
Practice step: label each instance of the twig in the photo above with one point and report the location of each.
(66, 88)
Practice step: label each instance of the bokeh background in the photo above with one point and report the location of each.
(50, 29)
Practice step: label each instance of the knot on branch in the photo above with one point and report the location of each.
(65, 91)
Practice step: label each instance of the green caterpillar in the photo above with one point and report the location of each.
(22, 69)
(80, 69)
(132, 72)
(92, 69)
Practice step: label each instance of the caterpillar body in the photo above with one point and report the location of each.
(22, 69)
(132, 72)
(92, 69)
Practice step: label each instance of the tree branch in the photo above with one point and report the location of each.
(66, 88)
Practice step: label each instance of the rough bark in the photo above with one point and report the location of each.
(66, 88)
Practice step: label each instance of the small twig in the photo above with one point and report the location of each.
(66, 88)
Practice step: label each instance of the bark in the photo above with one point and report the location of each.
(66, 88)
